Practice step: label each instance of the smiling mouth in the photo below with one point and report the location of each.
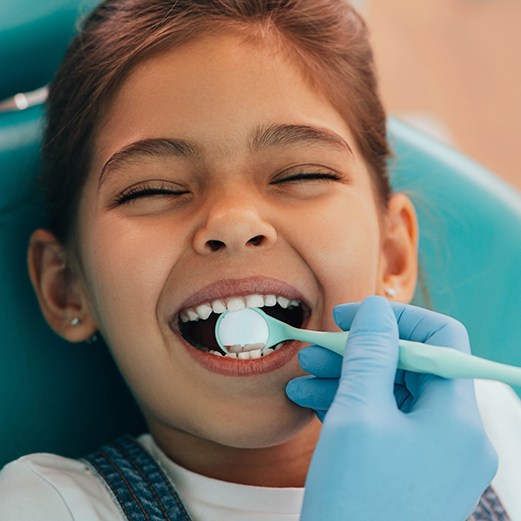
(197, 324)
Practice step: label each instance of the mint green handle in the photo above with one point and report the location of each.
(450, 363)
(422, 358)
(334, 341)
(413, 356)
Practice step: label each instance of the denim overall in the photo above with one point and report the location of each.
(144, 492)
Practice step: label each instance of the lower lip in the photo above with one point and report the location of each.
(233, 367)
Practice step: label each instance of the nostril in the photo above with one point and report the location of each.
(215, 245)
(257, 240)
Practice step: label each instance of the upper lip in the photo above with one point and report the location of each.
(226, 288)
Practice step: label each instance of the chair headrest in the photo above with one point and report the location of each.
(33, 39)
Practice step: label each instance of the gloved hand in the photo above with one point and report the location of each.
(429, 460)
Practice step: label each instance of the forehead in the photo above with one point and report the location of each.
(215, 91)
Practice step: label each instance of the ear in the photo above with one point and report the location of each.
(399, 254)
(60, 293)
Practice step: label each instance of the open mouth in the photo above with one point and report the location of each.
(197, 324)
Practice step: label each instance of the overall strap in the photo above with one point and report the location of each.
(137, 483)
(145, 493)
(489, 508)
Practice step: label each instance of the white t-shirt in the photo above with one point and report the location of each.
(44, 487)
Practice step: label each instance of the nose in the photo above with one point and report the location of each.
(234, 225)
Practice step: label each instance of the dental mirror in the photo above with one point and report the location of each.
(241, 328)
(251, 328)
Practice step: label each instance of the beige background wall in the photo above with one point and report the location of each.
(458, 64)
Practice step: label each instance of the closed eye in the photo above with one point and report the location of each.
(308, 176)
(148, 190)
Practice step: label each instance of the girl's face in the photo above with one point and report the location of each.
(220, 174)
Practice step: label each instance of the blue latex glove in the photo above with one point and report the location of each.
(426, 460)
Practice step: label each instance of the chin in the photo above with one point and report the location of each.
(263, 429)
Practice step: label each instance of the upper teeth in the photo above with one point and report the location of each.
(203, 311)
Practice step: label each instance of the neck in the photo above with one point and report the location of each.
(283, 465)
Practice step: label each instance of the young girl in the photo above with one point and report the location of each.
(212, 155)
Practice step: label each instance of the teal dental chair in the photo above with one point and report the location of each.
(33, 39)
(69, 399)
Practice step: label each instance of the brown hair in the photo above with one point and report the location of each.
(326, 37)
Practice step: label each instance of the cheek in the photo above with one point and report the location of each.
(341, 244)
(126, 267)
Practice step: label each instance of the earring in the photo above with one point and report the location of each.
(75, 322)
(390, 292)
(93, 339)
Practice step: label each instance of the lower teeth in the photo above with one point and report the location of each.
(248, 355)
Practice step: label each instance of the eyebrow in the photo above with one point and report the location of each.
(278, 135)
(261, 138)
(150, 147)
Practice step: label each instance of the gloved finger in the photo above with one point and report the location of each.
(324, 363)
(431, 392)
(344, 314)
(402, 393)
(371, 356)
(414, 323)
(321, 415)
(403, 397)
(311, 392)
(423, 325)
(320, 362)
(447, 396)
(306, 392)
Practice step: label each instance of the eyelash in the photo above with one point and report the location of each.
(135, 192)
(309, 176)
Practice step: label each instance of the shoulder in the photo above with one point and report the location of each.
(41, 487)
(28, 489)
(500, 409)
(497, 401)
